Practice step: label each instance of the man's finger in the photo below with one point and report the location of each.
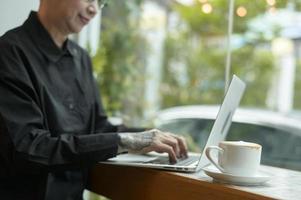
(183, 146)
(167, 149)
(173, 142)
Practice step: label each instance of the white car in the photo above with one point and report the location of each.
(279, 134)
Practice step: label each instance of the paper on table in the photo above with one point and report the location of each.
(132, 158)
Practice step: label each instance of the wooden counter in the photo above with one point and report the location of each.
(119, 182)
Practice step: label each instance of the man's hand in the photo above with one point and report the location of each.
(155, 140)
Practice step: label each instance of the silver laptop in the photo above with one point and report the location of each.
(195, 161)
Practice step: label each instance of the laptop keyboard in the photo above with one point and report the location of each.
(180, 162)
(187, 161)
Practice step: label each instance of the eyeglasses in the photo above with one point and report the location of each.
(100, 3)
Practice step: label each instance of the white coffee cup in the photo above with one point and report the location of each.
(236, 157)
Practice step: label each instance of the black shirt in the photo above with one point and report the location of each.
(53, 126)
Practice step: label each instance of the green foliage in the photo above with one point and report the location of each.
(215, 23)
(194, 57)
(205, 73)
(119, 63)
(256, 67)
(189, 70)
(297, 99)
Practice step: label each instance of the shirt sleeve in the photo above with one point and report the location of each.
(23, 122)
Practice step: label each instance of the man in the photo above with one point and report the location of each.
(52, 124)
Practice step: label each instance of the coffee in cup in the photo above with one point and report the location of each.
(236, 157)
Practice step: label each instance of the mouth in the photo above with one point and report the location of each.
(84, 20)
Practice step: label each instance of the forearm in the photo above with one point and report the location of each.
(135, 142)
(153, 140)
(68, 149)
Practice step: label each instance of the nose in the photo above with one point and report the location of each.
(93, 9)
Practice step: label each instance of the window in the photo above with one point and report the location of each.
(281, 147)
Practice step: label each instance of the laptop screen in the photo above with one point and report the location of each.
(224, 117)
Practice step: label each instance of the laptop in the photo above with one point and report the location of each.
(195, 161)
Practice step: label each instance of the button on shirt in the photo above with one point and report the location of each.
(52, 124)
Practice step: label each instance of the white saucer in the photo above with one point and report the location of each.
(218, 176)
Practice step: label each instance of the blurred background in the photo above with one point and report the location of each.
(162, 63)
(159, 54)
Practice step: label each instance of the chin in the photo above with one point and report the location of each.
(77, 29)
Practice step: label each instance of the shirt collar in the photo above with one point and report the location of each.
(43, 40)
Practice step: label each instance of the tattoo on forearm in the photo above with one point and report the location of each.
(137, 141)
